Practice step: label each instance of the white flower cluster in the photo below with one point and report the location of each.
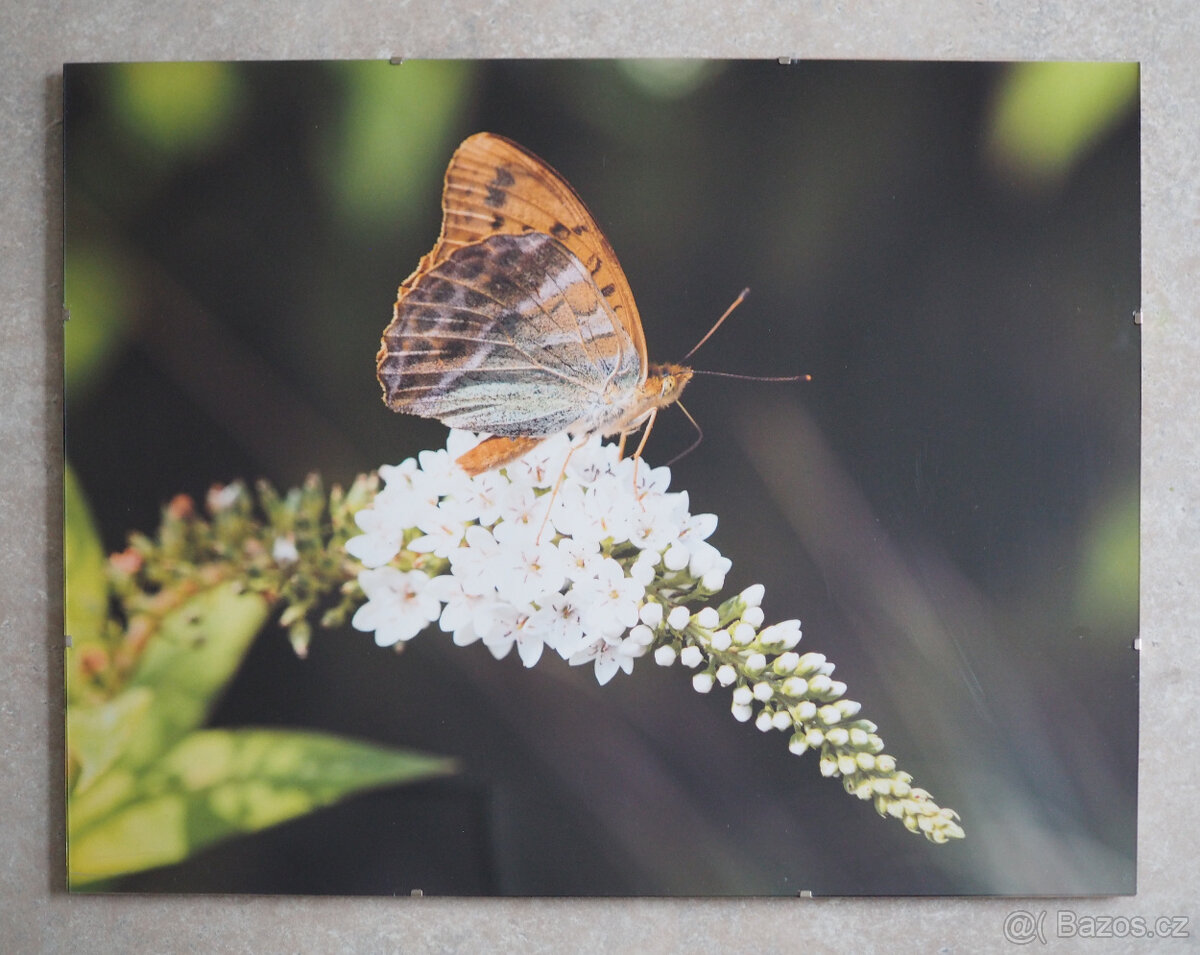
(513, 569)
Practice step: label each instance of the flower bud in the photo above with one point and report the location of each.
(829, 715)
(785, 663)
(708, 618)
(726, 674)
(702, 682)
(651, 614)
(691, 656)
(721, 640)
(753, 616)
(664, 656)
(752, 596)
(763, 691)
(676, 557)
(678, 618)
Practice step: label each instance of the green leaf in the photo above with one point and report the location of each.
(98, 735)
(221, 783)
(1048, 115)
(85, 604)
(196, 651)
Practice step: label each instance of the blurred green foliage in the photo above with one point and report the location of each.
(1047, 116)
(1108, 578)
(177, 108)
(95, 289)
(396, 123)
(145, 785)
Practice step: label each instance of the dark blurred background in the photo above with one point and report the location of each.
(950, 505)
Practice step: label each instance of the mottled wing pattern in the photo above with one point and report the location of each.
(493, 186)
(509, 335)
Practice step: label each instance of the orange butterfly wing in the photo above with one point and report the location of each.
(493, 186)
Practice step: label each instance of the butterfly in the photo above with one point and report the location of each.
(520, 323)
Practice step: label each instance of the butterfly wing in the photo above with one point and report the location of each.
(509, 335)
(495, 186)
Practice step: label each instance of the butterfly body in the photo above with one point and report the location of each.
(519, 323)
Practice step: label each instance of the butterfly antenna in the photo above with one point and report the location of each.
(729, 374)
(736, 302)
(699, 435)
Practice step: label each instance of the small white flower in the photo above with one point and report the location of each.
(580, 561)
(702, 682)
(743, 695)
(399, 604)
(510, 627)
(541, 467)
(475, 564)
(721, 641)
(536, 570)
(726, 674)
(283, 551)
(708, 618)
(483, 496)
(741, 711)
(557, 621)
(609, 602)
(763, 721)
(763, 691)
(383, 525)
(444, 528)
(608, 659)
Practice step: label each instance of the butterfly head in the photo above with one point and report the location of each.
(664, 384)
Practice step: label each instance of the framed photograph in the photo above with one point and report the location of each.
(744, 456)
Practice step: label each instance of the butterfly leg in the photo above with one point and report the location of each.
(554, 492)
(637, 455)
